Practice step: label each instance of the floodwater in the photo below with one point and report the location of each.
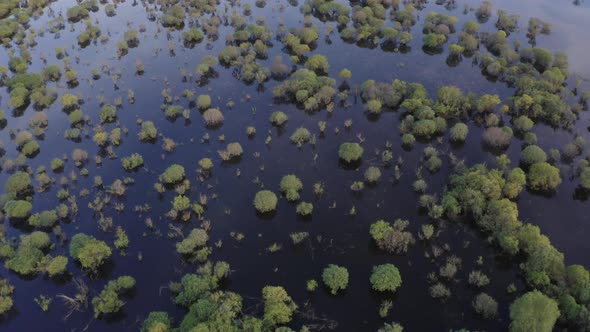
(335, 236)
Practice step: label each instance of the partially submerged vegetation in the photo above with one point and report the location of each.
(276, 84)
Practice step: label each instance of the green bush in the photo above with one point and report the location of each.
(107, 114)
(29, 256)
(6, 290)
(18, 209)
(265, 201)
(372, 174)
(533, 311)
(206, 164)
(408, 140)
(203, 102)
(45, 219)
(157, 321)
(335, 278)
(385, 277)
(523, 123)
(291, 185)
(57, 164)
(278, 118)
(317, 63)
(485, 306)
(90, 252)
(424, 128)
(543, 177)
(57, 266)
(392, 238)
(304, 209)
(193, 35)
(585, 178)
(30, 148)
(173, 17)
(232, 150)
(350, 152)
(108, 301)
(300, 136)
(132, 162)
(197, 238)
(532, 154)
(459, 132)
(173, 174)
(148, 131)
(278, 306)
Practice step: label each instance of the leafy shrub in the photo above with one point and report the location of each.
(57, 266)
(90, 252)
(148, 131)
(18, 209)
(203, 102)
(459, 132)
(335, 278)
(232, 150)
(304, 209)
(533, 311)
(6, 290)
(385, 277)
(45, 219)
(265, 201)
(278, 306)
(156, 321)
(291, 185)
(497, 137)
(485, 305)
(213, 117)
(197, 238)
(372, 174)
(108, 113)
(278, 118)
(132, 162)
(350, 152)
(173, 174)
(193, 35)
(300, 136)
(543, 176)
(532, 154)
(108, 301)
(392, 238)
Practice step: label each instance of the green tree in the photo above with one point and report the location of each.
(532, 154)
(108, 301)
(459, 132)
(157, 321)
(350, 152)
(265, 201)
(278, 306)
(485, 305)
(173, 174)
(148, 131)
(543, 176)
(90, 252)
(585, 178)
(578, 279)
(345, 74)
(18, 209)
(385, 277)
(57, 266)
(533, 312)
(291, 185)
(317, 63)
(17, 184)
(335, 278)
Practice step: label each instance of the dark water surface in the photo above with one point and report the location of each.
(335, 236)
